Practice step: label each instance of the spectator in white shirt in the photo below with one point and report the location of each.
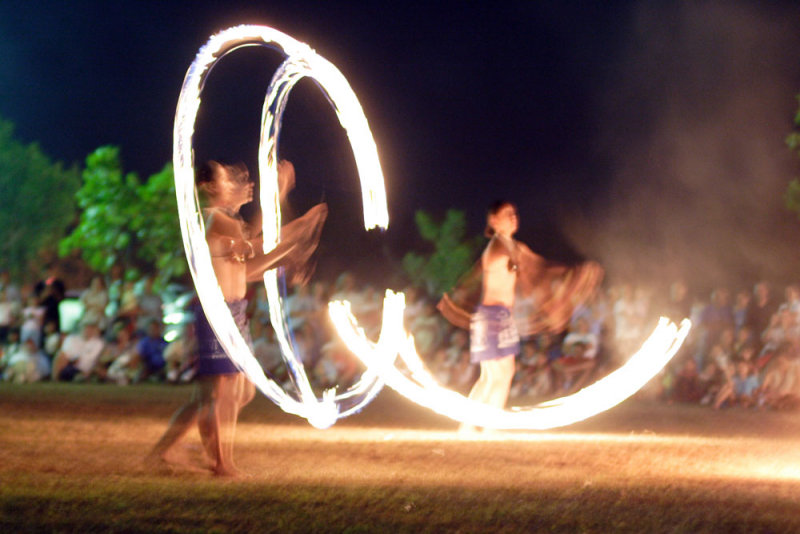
(79, 354)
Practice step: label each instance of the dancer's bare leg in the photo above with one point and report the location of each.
(208, 423)
(248, 392)
(205, 421)
(208, 419)
(478, 391)
(181, 422)
(222, 415)
(492, 386)
(241, 397)
(500, 373)
(478, 394)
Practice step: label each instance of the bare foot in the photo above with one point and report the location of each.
(230, 472)
(170, 466)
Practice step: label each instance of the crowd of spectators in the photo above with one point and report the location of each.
(743, 350)
(117, 337)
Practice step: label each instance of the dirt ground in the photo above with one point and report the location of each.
(71, 459)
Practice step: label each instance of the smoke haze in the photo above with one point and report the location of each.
(697, 109)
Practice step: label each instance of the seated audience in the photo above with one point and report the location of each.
(181, 356)
(10, 313)
(52, 340)
(94, 300)
(783, 329)
(27, 364)
(79, 354)
(268, 353)
(740, 388)
(32, 321)
(629, 316)
(428, 331)
(150, 306)
(9, 347)
(150, 353)
(534, 376)
(448, 358)
(580, 333)
(117, 361)
(761, 309)
(687, 386)
(780, 388)
(740, 306)
(573, 369)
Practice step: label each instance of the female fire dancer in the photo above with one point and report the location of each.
(510, 276)
(221, 389)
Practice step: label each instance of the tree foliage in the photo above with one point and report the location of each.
(37, 198)
(452, 254)
(792, 195)
(124, 220)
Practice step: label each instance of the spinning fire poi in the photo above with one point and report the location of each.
(411, 379)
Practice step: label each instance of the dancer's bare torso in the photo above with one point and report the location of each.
(499, 273)
(226, 235)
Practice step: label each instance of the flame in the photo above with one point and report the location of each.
(421, 387)
(380, 358)
(301, 61)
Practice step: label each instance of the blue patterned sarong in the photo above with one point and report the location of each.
(492, 334)
(211, 357)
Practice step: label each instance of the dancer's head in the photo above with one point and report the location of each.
(502, 219)
(225, 185)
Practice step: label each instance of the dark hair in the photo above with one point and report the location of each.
(205, 173)
(494, 208)
(208, 171)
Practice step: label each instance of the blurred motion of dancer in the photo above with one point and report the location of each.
(222, 390)
(511, 292)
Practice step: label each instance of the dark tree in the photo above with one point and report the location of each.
(452, 254)
(126, 221)
(37, 198)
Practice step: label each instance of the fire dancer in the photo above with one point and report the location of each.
(508, 276)
(221, 389)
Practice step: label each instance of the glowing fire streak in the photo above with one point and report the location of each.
(301, 61)
(423, 389)
(352, 119)
(379, 357)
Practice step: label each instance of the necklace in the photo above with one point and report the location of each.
(511, 246)
(230, 212)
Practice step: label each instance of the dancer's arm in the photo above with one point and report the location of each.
(286, 182)
(262, 262)
(531, 262)
(286, 179)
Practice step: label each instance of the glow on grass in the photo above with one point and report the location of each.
(301, 62)
(257, 433)
(417, 384)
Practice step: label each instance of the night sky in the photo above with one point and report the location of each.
(646, 135)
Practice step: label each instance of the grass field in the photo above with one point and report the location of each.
(71, 460)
